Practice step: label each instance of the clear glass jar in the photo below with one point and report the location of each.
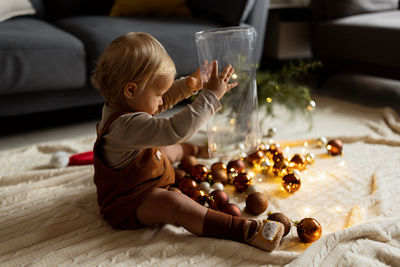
(233, 130)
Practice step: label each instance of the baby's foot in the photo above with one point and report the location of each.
(267, 236)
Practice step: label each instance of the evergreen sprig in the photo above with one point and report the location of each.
(285, 86)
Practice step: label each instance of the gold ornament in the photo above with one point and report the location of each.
(291, 183)
(334, 147)
(297, 162)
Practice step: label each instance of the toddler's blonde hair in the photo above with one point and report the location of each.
(134, 57)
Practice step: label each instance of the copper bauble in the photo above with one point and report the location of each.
(199, 172)
(188, 162)
(242, 181)
(236, 166)
(334, 147)
(282, 218)
(274, 149)
(218, 166)
(297, 162)
(231, 209)
(217, 199)
(309, 230)
(256, 203)
(255, 158)
(291, 182)
(197, 195)
(280, 168)
(219, 176)
(179, 175)
(186, 184)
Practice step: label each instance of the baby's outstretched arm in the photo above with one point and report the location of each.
(218, 84)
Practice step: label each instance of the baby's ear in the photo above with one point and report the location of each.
(130, 90)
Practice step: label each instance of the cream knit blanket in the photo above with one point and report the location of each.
(49, 216)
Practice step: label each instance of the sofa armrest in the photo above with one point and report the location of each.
(332, 9)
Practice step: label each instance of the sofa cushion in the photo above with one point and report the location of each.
(57, 9)
(150, 8)
(175, 33)
(342, 8)
(229, 12)
(369, 38)
(35, 55)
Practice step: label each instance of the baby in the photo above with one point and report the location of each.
(134, 149)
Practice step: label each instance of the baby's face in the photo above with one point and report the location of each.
(150, 98)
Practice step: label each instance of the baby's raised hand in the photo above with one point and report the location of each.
(218, 84)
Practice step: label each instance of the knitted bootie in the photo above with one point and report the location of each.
(267, 236)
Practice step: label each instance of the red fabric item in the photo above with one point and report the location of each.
(84, 158)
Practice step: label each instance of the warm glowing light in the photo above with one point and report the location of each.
(260, 180)
(338, 209)
(232, 121)
(306, 144)
(342, 163)
(269, 100)
(287, 150)
(234, 76)
(214, 129)
(251, 174)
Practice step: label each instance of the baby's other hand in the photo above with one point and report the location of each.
(218, 84)
(194, 81)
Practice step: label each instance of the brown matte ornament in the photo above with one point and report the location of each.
(256, 203)
(218, 166)
(282, 218)
(219, 176)
(179, 175)
(236, 166)
(186, 184)
(231, 209)
(308, 230)
(242, 181)
(334, 147)
(197, 195)
(188, 162)
(218, 199)
(291, 183)
(199, 172)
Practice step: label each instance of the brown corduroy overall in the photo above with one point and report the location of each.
(120, 192)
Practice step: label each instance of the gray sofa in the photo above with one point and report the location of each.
(46, 59)
(357, 36)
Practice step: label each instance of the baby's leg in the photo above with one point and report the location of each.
(163, 206)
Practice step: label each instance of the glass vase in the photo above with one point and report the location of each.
(233, 130)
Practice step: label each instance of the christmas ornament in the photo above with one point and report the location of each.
(308, 230)
(205, 186)
(179, 175)
(218, 199)
(274, 149)
(271, 132)
(282, 218)
(297, 162)
(236, 166)
(219, 175)
(85, 158)
(265, 166)
(188, 162)
(242, 181)
(291, 182)
(251, 189)
(255, 158)
(310, 158)
(197, 195)
(334, 147)
(218, 166)
(186, 184)
(280, 167)
(256, 203)
(322, 141)
(231, 209)
(217, 186)
(199, 172)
